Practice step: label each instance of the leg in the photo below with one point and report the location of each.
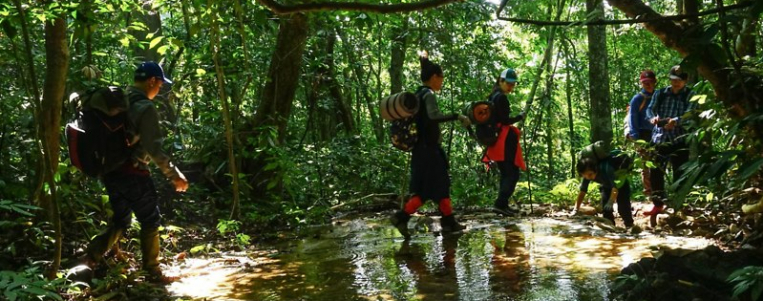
(400, 218)
(146, 210)
(118, 188)
(624, 204)
(678, 157)
(658, 179)
(448, 221)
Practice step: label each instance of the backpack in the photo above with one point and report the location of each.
(597, 151)
(99, 137)
(403, 132)
(620, 160)
(641, 107)
(481, 113)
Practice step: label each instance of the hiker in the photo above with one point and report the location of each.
(665, 112)
(130, 188)
(429, 165)
(506, 152)
(607, 172)
(639, 126)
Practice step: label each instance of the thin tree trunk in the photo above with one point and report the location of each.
(571, 121)
(600, 113)
(399, 43)
(57, 64)
(232, 167)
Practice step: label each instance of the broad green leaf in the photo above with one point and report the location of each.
(162, 50)
(750, 169)
(155, 42)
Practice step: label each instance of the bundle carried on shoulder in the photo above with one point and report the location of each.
(401, 109)
(99, 138)
(480, 113)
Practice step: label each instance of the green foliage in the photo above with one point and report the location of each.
(747, 280)
(228, 227)
(29, 284)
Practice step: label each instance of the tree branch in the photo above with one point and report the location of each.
(279, 8)
(638, 19)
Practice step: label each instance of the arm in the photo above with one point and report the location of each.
(581, 195)
(690, 107)
(634, 116)
(433, 111)
(503, 110)
(151, 140)
(651, 113)
(612, 198)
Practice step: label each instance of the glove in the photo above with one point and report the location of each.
(608, 206)
(465, 122)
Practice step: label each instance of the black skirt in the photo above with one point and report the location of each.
(429, 173)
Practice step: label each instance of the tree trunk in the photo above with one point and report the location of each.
(399, 43)
(571, 122)
(278, 93)
(600, 113)
(57, 64)
(343, 111)
(232, 167)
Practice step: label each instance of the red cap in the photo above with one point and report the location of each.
(647, 75)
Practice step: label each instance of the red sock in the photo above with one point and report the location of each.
(445, 207)
(412, 204)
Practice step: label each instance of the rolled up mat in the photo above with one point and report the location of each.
(399, 106)
(479, 112)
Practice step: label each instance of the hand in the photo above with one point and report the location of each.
(671, 124)
(181, 184)
(464, 120)
(608, 206)
(655, 120)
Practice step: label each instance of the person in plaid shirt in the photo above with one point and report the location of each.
(665, 111)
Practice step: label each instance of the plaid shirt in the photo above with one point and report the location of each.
(666, 104)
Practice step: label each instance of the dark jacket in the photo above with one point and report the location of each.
(148, 137)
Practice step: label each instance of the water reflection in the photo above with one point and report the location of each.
(365, 259)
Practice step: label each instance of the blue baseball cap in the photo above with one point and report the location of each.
(151, 69)
(509, 75)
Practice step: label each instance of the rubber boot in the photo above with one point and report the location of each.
(149, 246)
(102, 243)
(400, 221)
(449, 224)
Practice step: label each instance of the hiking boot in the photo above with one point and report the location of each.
(149, 246)
(103, 242)
(449, 224)
(506, 211)
(400, 221)
(655, 210)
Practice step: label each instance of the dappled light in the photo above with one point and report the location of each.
(360, 259)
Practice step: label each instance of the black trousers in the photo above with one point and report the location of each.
(130, 193)
(509, 171)
(677, 154)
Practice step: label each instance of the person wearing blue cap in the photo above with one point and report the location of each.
(131, 188)
(506, 151)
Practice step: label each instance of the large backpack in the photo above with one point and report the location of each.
(597, 151)
(403, 132)
(600, 150)
(99, 137)
(482, 115)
